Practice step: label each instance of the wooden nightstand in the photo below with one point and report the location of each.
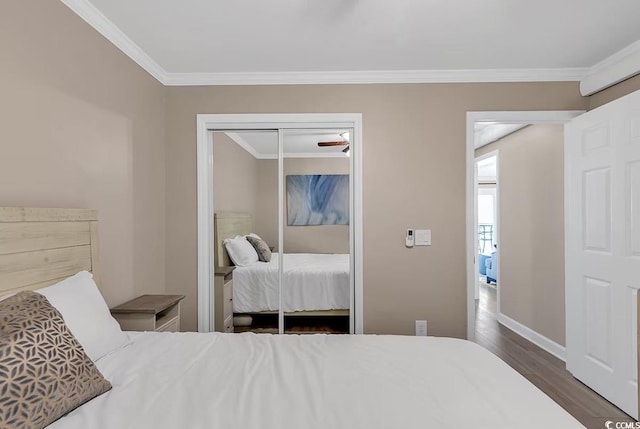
(223, 298)
(150, 313)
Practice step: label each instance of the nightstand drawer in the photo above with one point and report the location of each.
(227, 295)
(170, 326)
(167, 316)
(228, 305)
(223, 299)
(228, 324)
(149, 313)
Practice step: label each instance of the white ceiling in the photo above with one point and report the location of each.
(489, 132)
(296, 143)
(257, 36)
(487, 169)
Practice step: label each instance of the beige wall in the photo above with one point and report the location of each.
(414, 175)
(83, 126)
(96, 140)
(242, 183)
(267, 201)
(299, 239)
(235, 177)
(531, 230)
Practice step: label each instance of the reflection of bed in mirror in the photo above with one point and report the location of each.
(314, 284)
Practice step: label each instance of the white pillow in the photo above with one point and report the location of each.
(86, 314)
(240, 251)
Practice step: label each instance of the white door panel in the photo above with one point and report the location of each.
(602, 230)
(597, 210)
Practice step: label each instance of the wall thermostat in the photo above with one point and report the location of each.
(409, 239)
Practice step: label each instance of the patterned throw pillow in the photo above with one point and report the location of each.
(44, 372)
(261, 246)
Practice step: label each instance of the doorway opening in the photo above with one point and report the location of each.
(598, 306)
(474, 241)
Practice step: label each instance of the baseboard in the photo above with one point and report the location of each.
(539, 340)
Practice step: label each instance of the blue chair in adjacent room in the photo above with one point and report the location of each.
(482, 263)
(491, 267)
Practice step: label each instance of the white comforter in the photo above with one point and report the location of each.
(245, 381)
(310, 282)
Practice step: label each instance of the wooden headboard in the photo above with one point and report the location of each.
(228, 225)
(39, 247)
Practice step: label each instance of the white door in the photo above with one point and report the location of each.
(602, 233)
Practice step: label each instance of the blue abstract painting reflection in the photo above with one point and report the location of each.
(318, 199)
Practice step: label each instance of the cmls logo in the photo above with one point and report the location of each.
(621, 425)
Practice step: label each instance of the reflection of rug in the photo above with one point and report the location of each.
(292, 330)
(260, 330)
(312, 330)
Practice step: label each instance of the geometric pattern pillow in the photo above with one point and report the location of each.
(44, 372)
(261, 246)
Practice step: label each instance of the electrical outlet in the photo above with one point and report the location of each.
(421, 328)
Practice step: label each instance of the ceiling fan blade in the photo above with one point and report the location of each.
(336, 143)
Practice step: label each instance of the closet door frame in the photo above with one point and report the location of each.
(206, 125)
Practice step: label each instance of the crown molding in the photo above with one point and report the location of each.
(87, 11)
(246, 146)
(382, 76)
(614, 69)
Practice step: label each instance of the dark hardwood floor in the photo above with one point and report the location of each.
(543, 369)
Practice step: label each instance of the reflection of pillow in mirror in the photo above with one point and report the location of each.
(240, 251)
(262, 248)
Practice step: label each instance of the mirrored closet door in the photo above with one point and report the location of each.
(245, 228)
(282, 228)
(316, 229)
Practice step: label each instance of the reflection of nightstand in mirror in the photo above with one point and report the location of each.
(223, 298)
(150, 313)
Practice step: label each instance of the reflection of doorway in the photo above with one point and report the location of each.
(277, 122)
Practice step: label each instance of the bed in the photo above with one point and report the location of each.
(312, 283)
(216, 380)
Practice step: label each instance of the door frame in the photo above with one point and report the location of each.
(508, 117)
(206, 124)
